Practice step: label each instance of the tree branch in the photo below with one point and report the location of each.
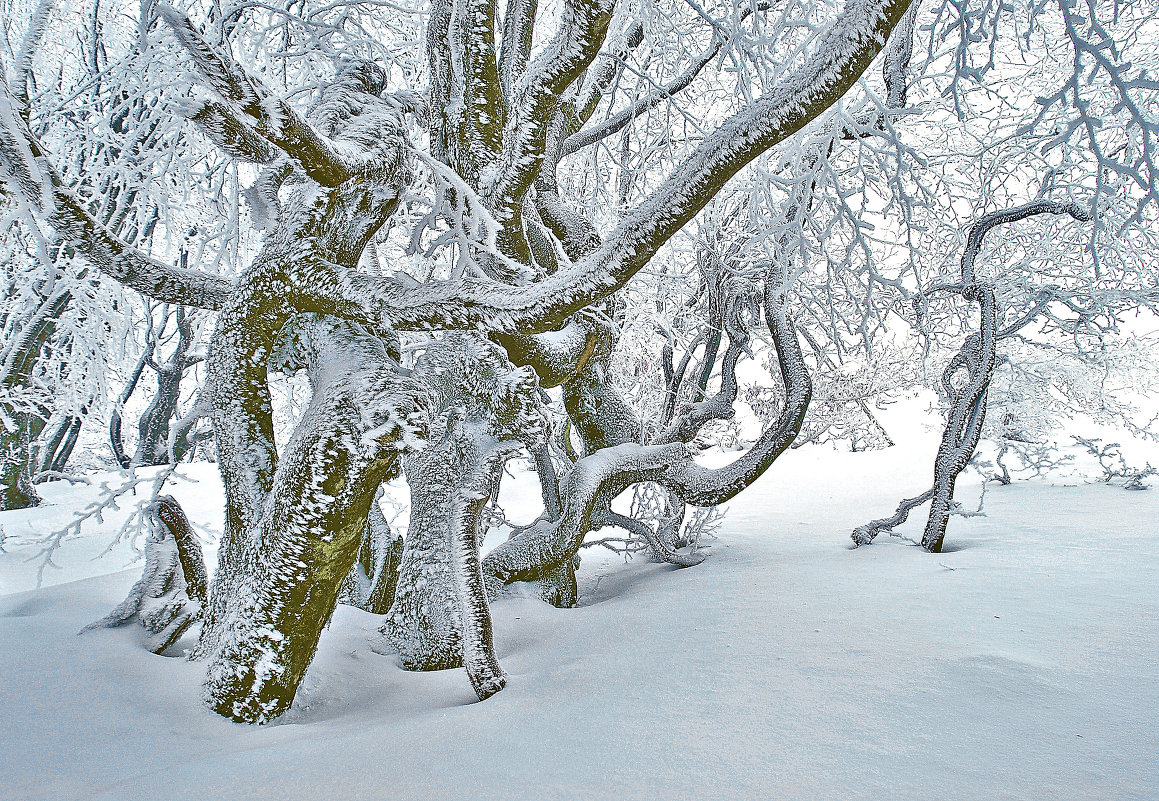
(268, 117)
(581, 33)
(843, 53)
(25, 169)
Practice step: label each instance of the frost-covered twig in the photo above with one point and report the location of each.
(107, 501)
(1114, 464)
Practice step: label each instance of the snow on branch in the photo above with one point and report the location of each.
(26, 174)
(564, 59)
(842, 54)
(260, 114)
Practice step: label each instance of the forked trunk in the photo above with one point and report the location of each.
(278, 583)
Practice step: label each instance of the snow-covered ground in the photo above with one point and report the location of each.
(1022, 664)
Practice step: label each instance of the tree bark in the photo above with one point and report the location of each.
(279, 584)
(487, 407)
(171, 593)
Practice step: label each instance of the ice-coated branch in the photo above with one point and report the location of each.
(22, 68)
(691, 419)
(843, 52)
(616, 122)
(864, 534)
(578, 140)
(574, 231)
(674, 374)
(703, 486)
(25, 171)
(581, 33)
(269, 117)
(115, 439)
(515, 44)
(897, 59)
(556, 356)
(978, 357)
(233, 134)
(661, 549)
(601, 75)
(964, 427)
(1006, 216)
(468, 104)
(544, 550)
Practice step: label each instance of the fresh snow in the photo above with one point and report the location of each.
(1021, 664)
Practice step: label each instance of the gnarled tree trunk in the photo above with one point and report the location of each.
(487, 407)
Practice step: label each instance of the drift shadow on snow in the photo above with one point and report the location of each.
(612, 580)
(27, 608)
(905, 542)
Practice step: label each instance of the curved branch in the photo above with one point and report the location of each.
(702, 486)
(996, 218)
(581, 33)
(269, 117)
(863, 535)
(843, 53)
(660, 549)
(591, 485)
(24, 168)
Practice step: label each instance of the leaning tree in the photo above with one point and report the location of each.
(447, 245)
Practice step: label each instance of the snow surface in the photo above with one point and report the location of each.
(1022, 664)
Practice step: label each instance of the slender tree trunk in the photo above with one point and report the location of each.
(17, 433)
(371, 583)
(20, 428)
(57, 448)
(964, 427)
(153, 427)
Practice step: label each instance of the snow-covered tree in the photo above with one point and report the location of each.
(463, 244)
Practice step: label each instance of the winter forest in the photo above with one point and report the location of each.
(579, 399)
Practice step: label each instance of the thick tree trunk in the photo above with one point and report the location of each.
(425, 623)
(279, 583)
(488, 406)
